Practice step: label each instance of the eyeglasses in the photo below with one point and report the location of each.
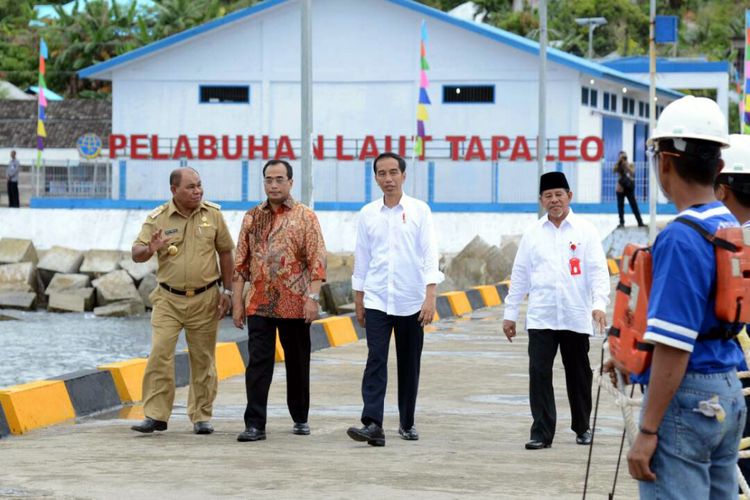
(269, 181)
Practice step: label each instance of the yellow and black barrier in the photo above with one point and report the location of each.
(47, 402)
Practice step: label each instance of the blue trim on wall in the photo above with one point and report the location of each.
(368, 181)
(92, 71)
(516, 41)
(640, 65)
(327, 206)
(123, 179)
(245, 179)
(431, 182)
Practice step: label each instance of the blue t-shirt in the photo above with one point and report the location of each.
(681, 302)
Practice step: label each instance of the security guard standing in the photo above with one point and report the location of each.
(186, 234)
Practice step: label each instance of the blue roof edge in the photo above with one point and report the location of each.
(516, 41)
(92, 71)
(641, 65)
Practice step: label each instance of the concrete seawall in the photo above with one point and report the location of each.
(84, 229)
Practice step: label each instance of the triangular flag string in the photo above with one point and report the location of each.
(744, 108)
(41, 131)
(424, 99)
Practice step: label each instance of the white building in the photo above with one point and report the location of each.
(366, 83)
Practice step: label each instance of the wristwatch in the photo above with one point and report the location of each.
(228, 292)
(314, 296)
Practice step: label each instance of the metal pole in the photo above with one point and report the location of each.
(591, 40)
(542, 139)
(652, 187)
(306, 103)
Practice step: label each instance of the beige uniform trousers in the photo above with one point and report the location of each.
(197, 316)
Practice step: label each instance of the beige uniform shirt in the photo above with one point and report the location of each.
(197, 238)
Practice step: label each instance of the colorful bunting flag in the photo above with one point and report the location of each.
(41, 131)
(424, 99)
(744, 108)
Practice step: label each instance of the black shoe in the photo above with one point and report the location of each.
(409, 434)
(584, 438)
(535, 444)
(203, 428)
(641, 224)
(372, 433)
(301, 429)
(252, 434)
(620, 225)
(150, 425)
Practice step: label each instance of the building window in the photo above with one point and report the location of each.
(605, 101)
(469, 94)
(585, 96)
(641, 111)
(212, 94)
(593, 98)
(628, 105)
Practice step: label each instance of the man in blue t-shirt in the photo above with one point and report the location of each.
(693, 411)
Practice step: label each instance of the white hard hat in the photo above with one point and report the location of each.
(737, 156)
(692, 117)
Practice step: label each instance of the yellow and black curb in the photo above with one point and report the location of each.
(47, 402)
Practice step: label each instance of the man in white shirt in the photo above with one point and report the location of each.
(395, 275)
(561, 265)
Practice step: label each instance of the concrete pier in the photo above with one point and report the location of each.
(472, 415)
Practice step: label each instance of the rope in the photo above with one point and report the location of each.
(593, 427)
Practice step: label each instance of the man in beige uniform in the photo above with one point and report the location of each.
(186, 234)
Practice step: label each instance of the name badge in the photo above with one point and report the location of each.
(172, 231)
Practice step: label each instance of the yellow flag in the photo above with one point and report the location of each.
(422, 112)
(40, 129)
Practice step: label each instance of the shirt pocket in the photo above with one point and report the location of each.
(205, 237)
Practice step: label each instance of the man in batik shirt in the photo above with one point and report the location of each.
(281, 254)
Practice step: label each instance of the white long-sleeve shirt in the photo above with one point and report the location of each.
(396, 256)
(559, 299)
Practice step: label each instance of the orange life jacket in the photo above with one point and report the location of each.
(732, 302)
(631, 307)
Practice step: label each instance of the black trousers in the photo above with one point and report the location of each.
(409, 340)
(574, 348)
(630, 195)
(13, 200)
(295, 339)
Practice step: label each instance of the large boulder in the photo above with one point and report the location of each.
(146, 286)
(501, 263)
(73, 300)
(59, 260)
(469, 267)
(337, 297)
(20, 277)
(17, 300)
(121, 309)
(139, 270)
(114, 287)
(98, 262)
(65, 282)
(339, 267)
(14, 250)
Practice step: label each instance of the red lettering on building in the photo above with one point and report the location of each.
(340, 149)
(155, 154)
(182, 149)
(500, 143)
(564, 146)
(284, 149)
(475, 151)
(117, 142)
(319, 148)
(599, 152)
(207, 149)
(252, 148)
(520, 149)
(237, 147)
(455, 141)
(369, 148)
(139, 147)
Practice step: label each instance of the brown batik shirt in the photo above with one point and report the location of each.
(279, 254)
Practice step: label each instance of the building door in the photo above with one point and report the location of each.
(612, 137)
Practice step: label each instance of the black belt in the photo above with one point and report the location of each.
(188, 293)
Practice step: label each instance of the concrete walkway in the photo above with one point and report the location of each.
(472, 415)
